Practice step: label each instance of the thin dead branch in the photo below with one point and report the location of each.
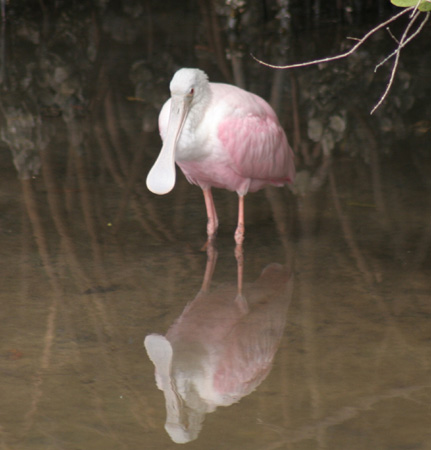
(405, 39)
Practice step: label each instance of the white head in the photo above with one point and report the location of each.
(189, 88)
(189, 82)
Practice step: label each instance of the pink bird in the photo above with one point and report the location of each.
(220, 136)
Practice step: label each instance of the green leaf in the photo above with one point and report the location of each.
(404, 3)
(424, 5)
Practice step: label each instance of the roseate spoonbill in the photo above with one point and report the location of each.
(220, 136)
(220, 348)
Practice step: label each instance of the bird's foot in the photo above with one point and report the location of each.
(212, 226)
(239, 234)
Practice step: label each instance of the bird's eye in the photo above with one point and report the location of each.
(192, 91)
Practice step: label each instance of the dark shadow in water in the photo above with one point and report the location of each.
(222, 346)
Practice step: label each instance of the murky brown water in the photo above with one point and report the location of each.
(329, 346)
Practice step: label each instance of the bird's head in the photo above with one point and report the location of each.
(189, 83)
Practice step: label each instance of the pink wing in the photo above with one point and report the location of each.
(256, 142)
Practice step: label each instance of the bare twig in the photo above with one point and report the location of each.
(403, 42)
(341, 55)
(415, 8)
(405, 39)
(392, 35)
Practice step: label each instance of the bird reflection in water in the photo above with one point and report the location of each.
(221, 347)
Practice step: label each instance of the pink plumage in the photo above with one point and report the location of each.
(220, 136)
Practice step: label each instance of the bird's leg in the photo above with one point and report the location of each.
(239, 256)
(210, 266)
(239, 233)
(240, 300)
(212, 223)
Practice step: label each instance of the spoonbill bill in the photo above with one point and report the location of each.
(220, 136)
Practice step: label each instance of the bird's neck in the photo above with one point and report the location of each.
(189, 146)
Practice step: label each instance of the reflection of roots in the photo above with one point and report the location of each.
(348, 234)
(141, 214)
(94, 307)
(341, 416)
(39, 233)
(43, 368)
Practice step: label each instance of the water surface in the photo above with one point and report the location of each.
(329, 345)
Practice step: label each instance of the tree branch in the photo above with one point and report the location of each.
(341, 55)
(405, 39)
